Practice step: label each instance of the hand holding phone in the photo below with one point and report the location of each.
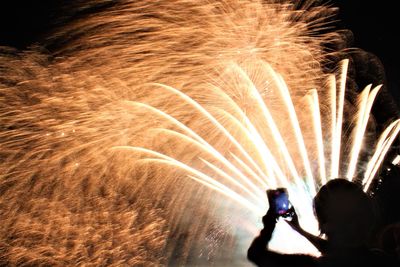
(279, 201)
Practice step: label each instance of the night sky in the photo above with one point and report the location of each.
(373, 23)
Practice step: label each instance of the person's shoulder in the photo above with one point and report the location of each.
(381, 258)
(358, 257)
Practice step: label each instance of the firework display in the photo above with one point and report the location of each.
(150, 135)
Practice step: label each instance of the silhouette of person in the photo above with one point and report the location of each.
(345, 215)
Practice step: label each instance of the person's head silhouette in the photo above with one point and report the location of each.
(344, 212)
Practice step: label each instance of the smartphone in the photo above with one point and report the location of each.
(279, 200)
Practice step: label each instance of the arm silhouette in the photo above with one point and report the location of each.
(259, 254)
(319, 243)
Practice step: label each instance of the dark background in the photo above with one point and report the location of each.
(373, 23)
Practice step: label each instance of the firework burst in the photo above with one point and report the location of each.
(107, 142)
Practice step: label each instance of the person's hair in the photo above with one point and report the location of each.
(343, 207)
